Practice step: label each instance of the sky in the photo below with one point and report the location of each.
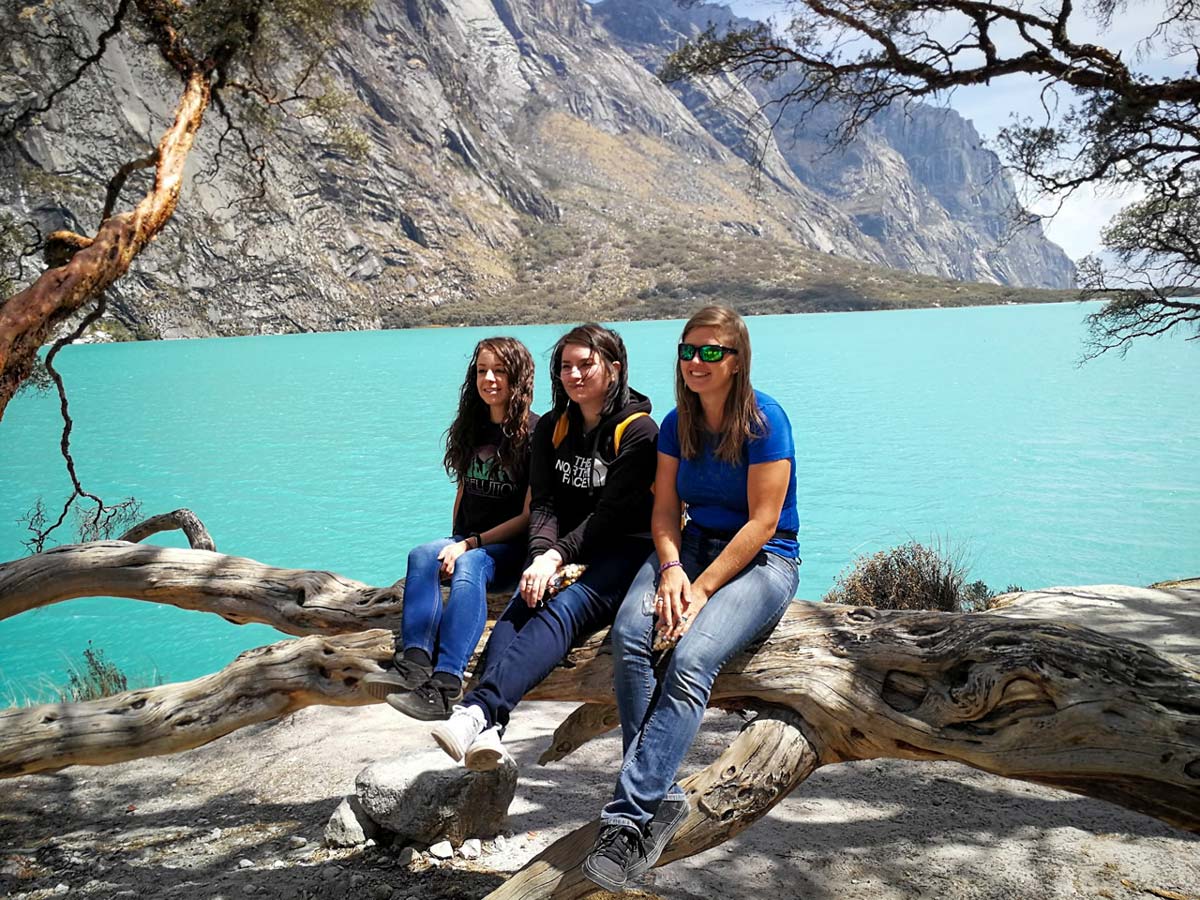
(1080, 218)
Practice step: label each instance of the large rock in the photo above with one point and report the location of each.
(426, 797)
(349, 825)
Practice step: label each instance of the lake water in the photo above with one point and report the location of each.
(975, 427)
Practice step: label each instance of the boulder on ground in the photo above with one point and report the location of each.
(349, 825)
(426, 797)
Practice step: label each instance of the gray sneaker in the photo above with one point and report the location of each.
(617, 851)
(670, 815)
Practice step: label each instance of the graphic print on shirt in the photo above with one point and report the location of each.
(582, 472)
(485, 477)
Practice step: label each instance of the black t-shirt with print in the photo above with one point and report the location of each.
(491, 493)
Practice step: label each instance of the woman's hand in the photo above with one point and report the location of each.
(537, 576)
(691, 609)
(671, 599)
(450, 553)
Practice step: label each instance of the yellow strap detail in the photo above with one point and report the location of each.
(621, 430)
(560, 429)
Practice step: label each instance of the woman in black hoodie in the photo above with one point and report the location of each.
(593, 462)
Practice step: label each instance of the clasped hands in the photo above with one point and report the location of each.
(536, 578)
(677, 602)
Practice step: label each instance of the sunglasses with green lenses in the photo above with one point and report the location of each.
(709, 353)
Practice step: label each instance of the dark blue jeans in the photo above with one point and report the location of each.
(526, 644)
(449, 635)
(661, 711)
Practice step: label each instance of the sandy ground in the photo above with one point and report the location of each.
(226, 821)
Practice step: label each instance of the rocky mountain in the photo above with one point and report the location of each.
(916, 183)
(500, 160)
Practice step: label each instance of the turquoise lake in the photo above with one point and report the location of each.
(973, 427)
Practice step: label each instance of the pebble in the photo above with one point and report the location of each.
(405, 857)
(381, 891)
(296, 842)
(471, 848)
(330, 873)
(441, 850)
(250, 889)
(245, 864)
(61, 889)
(357, 880)
(500, 843)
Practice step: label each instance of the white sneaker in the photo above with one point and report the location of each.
(458, 732)
(487, 753)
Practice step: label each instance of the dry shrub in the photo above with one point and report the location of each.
(911, 576)
(98, 677)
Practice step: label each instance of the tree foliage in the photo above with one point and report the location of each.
(249, 60)
(1104, 121)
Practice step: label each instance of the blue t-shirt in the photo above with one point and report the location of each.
(715, 491)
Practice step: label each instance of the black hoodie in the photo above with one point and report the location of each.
(586, 495)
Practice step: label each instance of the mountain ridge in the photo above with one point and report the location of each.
(500, 182)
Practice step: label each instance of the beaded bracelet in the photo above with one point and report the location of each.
(669, 565)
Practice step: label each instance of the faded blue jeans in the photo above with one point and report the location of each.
(661, 712)
(449, 636)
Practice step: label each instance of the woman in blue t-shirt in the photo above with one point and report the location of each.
(723, 582)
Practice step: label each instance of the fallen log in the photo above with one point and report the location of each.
(294, 601)
(260, 685)
(1011, 693)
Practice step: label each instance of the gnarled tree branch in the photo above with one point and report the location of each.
(1044, 701)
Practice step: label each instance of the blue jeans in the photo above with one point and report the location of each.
(661, 712)
(449, 636)
(526, 644)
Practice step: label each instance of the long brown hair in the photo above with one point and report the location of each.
(741, 419)
(607, 344)
(465, 432)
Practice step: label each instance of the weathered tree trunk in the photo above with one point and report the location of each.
(260, 685)
(761, 767)
(1012, 694)
(27, 317)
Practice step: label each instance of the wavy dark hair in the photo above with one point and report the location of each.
(608, 345)
(741, 419)
(464, 433)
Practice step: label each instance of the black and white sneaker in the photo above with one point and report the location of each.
(405, 675)
(670, 815)
(431, 702)
(618, 849)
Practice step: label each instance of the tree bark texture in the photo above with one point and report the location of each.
(27, 317)
(761, 767)
(1045, 701)
(181, 519)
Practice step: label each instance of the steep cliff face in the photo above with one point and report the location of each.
(922, 193)
(490, 130)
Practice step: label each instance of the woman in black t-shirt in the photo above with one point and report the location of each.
(487, 453)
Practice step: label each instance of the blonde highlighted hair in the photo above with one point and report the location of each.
(741, 419)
